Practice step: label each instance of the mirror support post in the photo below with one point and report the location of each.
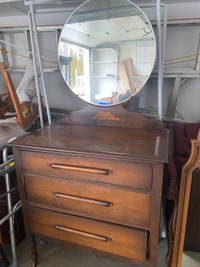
(36, 74)
(160, 59)
(30, 4)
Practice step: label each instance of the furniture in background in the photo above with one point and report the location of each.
(13, 231)
(24, 120)
(5, 105)
(181, 149)
(94, 179)
(9, 196)
(187, 178)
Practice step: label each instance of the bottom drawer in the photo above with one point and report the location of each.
(120, 240)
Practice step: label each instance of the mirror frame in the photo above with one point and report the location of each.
(183, 202)
(151, 67)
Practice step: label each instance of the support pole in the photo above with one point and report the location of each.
(10, 210)
(36, 74)
(197, 64)
(40, 61)
(3, 46)
(159, 58)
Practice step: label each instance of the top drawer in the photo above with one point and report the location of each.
(120, 172)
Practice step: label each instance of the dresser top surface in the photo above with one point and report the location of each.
(97, 140)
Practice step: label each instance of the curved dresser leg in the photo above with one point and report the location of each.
(172, 196)
(34, 254)
(171, 233)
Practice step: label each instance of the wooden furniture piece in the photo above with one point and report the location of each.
(94, 179)
(5, 106)
(181, 149)
(184, 198)
(24, 120)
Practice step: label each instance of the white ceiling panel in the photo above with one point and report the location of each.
(94, 33)
(17, 8)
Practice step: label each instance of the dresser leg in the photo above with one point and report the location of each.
(34, 254)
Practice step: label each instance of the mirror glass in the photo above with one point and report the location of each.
(107, 51)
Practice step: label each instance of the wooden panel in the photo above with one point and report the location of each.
(192, 234)
(109, 202)
(119, 117)
(94, 140)
(109, 171)
(124, 241)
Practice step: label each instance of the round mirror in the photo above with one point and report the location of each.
(107, 51)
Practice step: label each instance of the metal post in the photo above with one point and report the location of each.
(40, 61)
(161, 40)
(197, 64)
(28, 44)
(10, 210)
(160, 59)
(3, 46)
(172, 102)
(36, 75)
(57, 35)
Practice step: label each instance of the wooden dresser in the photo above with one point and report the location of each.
(95, 179)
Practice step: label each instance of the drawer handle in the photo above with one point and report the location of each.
(85, 234)
(80, 169)
(82, 199)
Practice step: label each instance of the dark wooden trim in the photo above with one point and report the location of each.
(118, 116)
(184, 198)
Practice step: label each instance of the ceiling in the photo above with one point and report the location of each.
(17, 7)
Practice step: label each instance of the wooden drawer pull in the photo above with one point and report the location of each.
(82, 199)
(80, 169)
(77, 232)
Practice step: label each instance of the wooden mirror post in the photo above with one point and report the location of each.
(184, 198)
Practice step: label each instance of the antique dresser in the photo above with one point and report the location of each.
(95, 179)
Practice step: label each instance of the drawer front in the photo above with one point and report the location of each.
(124, 241)
(96, 199)
(123, 172)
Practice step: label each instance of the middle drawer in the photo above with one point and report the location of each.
(109, 202)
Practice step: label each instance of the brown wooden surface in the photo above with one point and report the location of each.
(92, 160)
(116, 116)
(192, 234)
(42, 190)
(184, 197)
(135, 174)
(89, 250)
(124, 241)
(115, 141)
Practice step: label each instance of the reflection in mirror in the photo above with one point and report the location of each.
(107, 51)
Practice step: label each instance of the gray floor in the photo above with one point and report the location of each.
(191, 259)
(56, 256)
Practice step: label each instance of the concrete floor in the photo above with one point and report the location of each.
(56, 256)
(191, 259)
